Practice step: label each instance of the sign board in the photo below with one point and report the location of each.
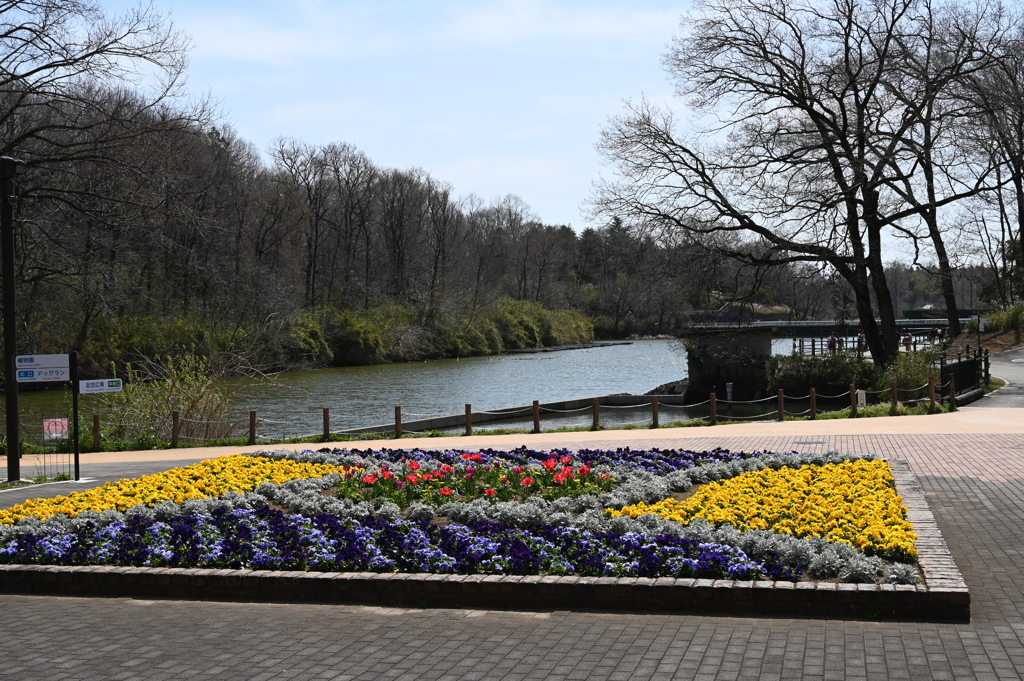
(102, 385)
(862, 399)
(44, 375)
(43, 361)
(55, 429)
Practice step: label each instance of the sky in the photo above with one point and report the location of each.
(494, 97)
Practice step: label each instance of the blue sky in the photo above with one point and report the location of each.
(495, 97)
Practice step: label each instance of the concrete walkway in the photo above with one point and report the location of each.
(970, 464)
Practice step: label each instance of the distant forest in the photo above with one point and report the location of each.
(147, 227)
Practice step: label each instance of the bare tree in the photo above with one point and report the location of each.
(810, 131)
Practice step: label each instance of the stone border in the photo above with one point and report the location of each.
(943, 597)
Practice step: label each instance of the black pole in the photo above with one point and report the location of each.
(9, 168)
(74, 410)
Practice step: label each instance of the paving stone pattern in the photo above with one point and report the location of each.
(975, 485)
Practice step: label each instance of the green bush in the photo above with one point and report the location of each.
(141, 414)
(518, 322)
(797, 374)
(1008, 319)
(352, 338)
(909, 370)
(305, 344)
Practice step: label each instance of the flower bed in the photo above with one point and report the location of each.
(347, 511)
(210, 478)
(853, 502)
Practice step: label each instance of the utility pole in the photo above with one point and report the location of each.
(9, 169)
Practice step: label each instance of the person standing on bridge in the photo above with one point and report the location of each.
(833, 344)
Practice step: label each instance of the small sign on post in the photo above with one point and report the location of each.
(55, 429)
(102, 385)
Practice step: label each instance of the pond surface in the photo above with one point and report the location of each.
(292, 403)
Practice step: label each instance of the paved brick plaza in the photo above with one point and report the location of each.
(973, 484)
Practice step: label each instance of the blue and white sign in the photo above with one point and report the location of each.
(43, 361)
(102, 385)
(44, 375)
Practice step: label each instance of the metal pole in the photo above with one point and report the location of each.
(74, 411)
(8, 190)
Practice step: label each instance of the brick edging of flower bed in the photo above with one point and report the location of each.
(943, 597)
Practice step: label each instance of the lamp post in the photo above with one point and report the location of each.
(9, 169)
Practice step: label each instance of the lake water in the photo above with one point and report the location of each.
(292, 403)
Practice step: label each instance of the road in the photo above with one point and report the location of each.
(1010, 366)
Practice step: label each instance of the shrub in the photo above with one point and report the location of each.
(797, 374)
(192, 385)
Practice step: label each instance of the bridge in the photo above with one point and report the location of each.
(815, 328)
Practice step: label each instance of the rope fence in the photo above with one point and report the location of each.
(181, 429)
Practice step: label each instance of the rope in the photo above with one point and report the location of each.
(763, 399)
(911, 390)
(564, 411)
(769, 415)
(507, 412)
(834, 397)
(798, 413)
(133, 425)
(630, 423)
(662, 405)
(187, 420)
(625, 406)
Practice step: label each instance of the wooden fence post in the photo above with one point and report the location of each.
(536, 416)
(327, 424)
(252, 427)
(814, 403)
(714, 409)
(398, 422)
(853, 400)
(895, 399)
(782, 405)
(597, 413)
(931, 392)
(175, 427)
(469, 419)
(654, 411)
(96, 433)
(952, 390)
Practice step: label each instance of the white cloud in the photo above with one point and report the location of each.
(311, 32)
(519, 22)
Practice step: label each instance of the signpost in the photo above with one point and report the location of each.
(47, 368)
